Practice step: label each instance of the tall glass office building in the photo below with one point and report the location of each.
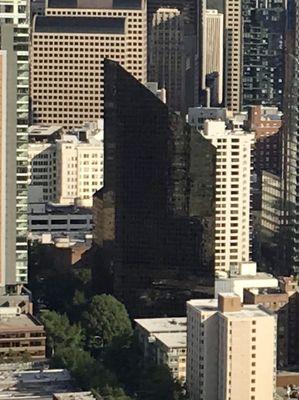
(14, 25)
(263, 59)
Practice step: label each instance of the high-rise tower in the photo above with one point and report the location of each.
(212, 57)
(289, 238)
(233, 54)
(156, 210)
(233, 171)
(184, 45)
(263, 60)
(166, 55)
(14, 23)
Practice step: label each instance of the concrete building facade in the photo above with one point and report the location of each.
(73, 39)
(58, 219)
(80, 167)
(214, 55)
(284, 301)
(233, 33)
(231, 350)
(67, 169)
(233, 172)
(163, 342)
(166, 55)
(271, 205)
(21, 333)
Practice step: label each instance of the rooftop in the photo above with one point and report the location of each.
(267, 291)
(99, 4)
(247, 311)
(59, 209)
(163, 325)
(44, 130)
(173, 339)
(74, 396)
(97, 25)
(258, 276)
(21, 322)
(18, 384)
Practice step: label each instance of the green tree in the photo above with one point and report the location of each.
(105, 320)
(60, 333)
(87, 371)
(124, 357)
(109, 393)
(156, 384)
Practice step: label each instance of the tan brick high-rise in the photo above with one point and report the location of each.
(233, 54)
(69, 44)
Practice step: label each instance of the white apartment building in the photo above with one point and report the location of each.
(69, 169)
(79, 170)
(231, 350)
(232, 203)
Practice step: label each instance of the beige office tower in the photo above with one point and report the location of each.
(232, 203)
(231, 350)
(233, 54)
(69, 45)
(214, 57)
(166, 55)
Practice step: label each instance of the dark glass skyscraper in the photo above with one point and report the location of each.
(263, 60)
(157, 204)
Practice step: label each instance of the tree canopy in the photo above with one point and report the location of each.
(104, 320)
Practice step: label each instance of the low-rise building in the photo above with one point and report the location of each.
(53, 218)
(21, 334)
(163, 341)
(18, 381)
(171, 351)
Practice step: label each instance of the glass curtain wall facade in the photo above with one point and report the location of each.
(263, 67)
(16, 13)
